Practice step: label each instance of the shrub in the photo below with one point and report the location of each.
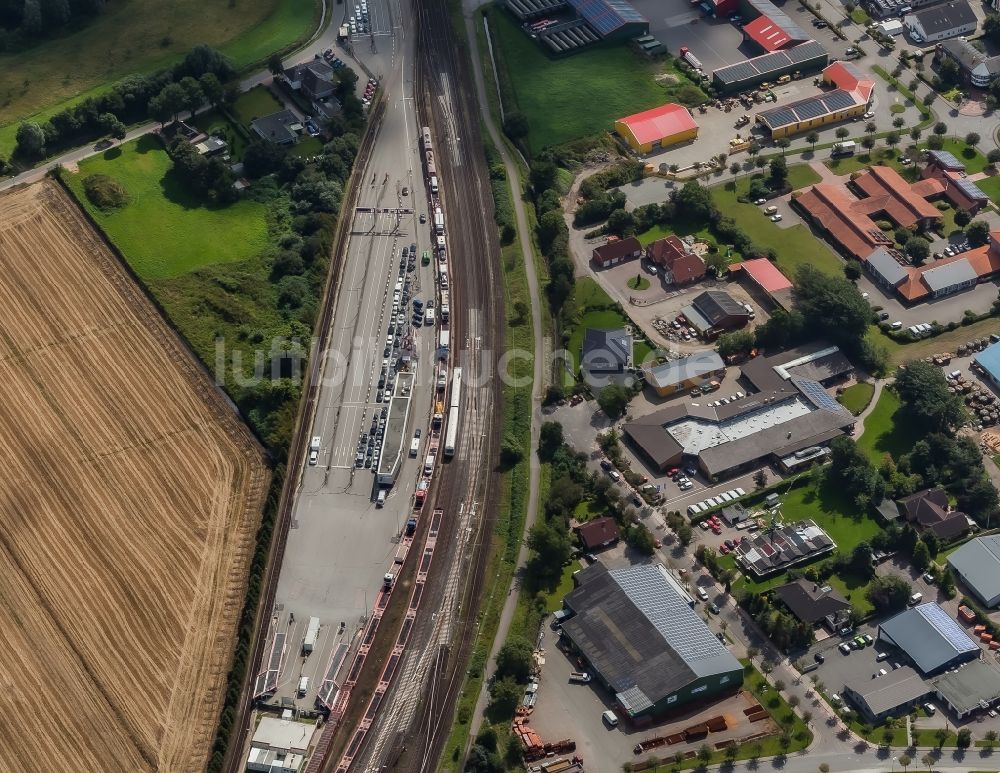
(105, 192)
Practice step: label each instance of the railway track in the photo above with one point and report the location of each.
(416, 716)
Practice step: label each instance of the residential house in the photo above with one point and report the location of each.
(281, 128)
(815, 604)
(929, 510)
(598, 533)
(617, 251)
(939, 22)
(680, 265)
(314, 79)
(605, 353)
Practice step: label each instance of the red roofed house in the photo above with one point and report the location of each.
(658, 128)
(679, 264)
(829, 206)
(945, 168)
(765, 278)
(617, 251)
(598, 533)
(886, 192)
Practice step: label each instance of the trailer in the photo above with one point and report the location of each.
(443, 307)
(434, 183)
(690, 58)
(425, 138)
(438, 220)
(455, 398)
(312, 633)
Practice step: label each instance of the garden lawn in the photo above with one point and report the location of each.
(794, 246)
(139, 36)
(255, 103)
(879, 155)
(856, 397)
(832, 511)
(991, 187)
(214, 123)
(886, 430)
(574, 96)
(974, 160)
(164, 231)
(801, 175)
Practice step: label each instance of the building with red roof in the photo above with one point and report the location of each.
(657, 128)
(886, 192)
(680, 265)
(847, 76)
(765, 281)
(616, 251)
(769, 35)
(945, 169)
(849, 99)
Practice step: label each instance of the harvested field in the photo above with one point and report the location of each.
(129, 500)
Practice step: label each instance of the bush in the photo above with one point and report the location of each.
(105, 192)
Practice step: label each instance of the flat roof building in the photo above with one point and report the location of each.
(930, 638)
(644, 643)
(988, 361)
(657, 128)
(391, 457)
(804, 57)
(279, 746)
(969, 688)
(679, 375)
(890, 695)
(977, 565)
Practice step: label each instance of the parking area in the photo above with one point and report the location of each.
(676, 23)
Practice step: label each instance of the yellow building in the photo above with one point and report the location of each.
(849, 99)
(661, 127)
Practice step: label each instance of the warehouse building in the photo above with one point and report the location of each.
(988, 363)
(572, 25)
(802, 58)
(930, 638)
(657, 128)
(644, 643)
(765, 282)
(849, 99)
(968, 688)
(939, 22)
(279, 746)
(977, 565)
(978, 69)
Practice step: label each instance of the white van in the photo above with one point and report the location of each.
(380, 500)
(303, 686)
(916, 598)
(428, 316)
(313, 457)
(694, 509)
(702, 593)
(609, 718)
(770, 210)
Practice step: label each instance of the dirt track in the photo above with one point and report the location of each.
(129, 498)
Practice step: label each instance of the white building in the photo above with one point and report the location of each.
(279, 746)
(939, 22)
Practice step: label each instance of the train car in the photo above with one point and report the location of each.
(425, 138)
(451, 436)
(431, 168)
(456, 388)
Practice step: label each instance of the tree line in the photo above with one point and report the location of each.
(21, 21)
(163, 94)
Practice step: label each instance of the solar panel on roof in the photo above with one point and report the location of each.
(808, 109)
(808, 50)
(817, 395)
(971, 190)
(945, 626)
(606, 16)
(838, 100)
(734, 73)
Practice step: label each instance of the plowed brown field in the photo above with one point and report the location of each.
(129, 497)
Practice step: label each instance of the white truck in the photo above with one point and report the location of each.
(312, 633)
(303, 686)
(434, 183)
(438, 221)
(445, 306)
(414, 447)
(314, 451)
(429, 316)
(845, 148)
(429, 464)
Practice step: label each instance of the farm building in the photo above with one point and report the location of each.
(571, 25)
(930, 638)
(977, 565)
(715, 311)
(657, 128)
(988, 361)
(672, 659)
(849, 99)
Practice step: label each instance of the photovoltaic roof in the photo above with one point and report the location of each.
(817, 395)
(767, 64)
(928, 636)
(946, 158)
(606, 16)
(971, 190)
(809, 108)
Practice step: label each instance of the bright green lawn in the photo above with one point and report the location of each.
(215, 123)
(564, 99)
(255, 103)
(858, 16)
(991, 187)
(886, 431)
(795, 246)
(974, 160)
(638, 282)
(554, 600)
(856, 397)
(139, 36)
(801, 175)
(879, 155)
(164, 231)
(307, 146)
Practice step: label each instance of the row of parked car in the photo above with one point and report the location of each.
(721, 499)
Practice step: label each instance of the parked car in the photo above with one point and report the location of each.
(818, 657)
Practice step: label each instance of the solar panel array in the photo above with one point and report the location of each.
(817, 395)
(949, 630)
(768, 64)
(528, 9)
(971, 190)
(679, 625)
(607, 16)
(808, 109)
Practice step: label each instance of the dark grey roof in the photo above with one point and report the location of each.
(883, 263)
(929, 636)
(640, 635)
(676, 371)
(763, 66)
(822, 368)
(897, 688)
(779, 17)
(277, 126)
(978, 561)
(808, 108)
(811, 602)
(970, 685)
(716, 306)
(943, 18)
(766, 551)
(888, 509)
(654, 441)
(950, 275)
(605, 350)
(761, 373)
(971, 58)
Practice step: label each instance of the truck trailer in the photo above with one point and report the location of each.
(312, 633)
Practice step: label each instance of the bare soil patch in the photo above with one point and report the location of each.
(129, 497)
